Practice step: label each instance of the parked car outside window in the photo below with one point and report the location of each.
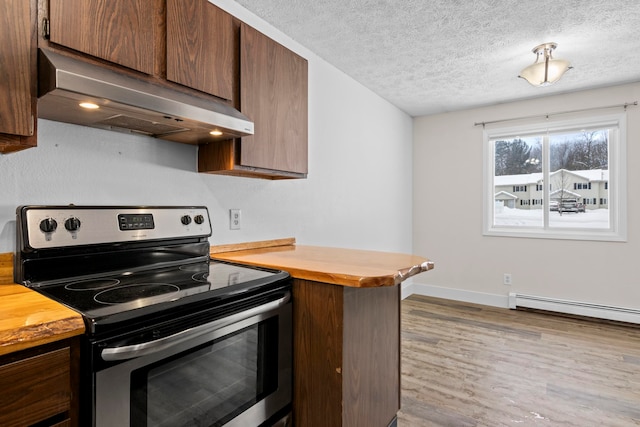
(571, 205)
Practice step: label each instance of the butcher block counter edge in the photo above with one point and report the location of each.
(338, 266)
(28, 319)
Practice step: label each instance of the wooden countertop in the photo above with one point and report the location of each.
(346, 267)
(28, 319)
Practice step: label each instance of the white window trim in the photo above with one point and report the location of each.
(617, 179)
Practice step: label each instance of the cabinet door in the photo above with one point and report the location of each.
(201, 47)
(17, 73)
(273, 93)
(125, 32)
(35, 388)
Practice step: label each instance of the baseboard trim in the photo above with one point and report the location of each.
(514, 300)
(493, 300)
(579, 308)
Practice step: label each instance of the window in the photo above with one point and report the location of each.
(582, 186)
(581, 163)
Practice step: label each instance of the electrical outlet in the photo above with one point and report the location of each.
(507, 279)
(235, 219)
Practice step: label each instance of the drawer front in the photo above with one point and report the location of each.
(35, 388)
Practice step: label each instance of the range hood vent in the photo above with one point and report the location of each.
(130, 105)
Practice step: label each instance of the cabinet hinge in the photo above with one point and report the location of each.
(45, 28)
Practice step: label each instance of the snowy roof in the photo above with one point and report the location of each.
(503, 195)
(594, 174)
(534, 178)
(524, 179)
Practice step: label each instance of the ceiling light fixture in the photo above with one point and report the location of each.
(545, 70)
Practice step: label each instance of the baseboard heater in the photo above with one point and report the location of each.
(599, 311)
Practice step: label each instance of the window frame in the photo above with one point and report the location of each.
(617, 191)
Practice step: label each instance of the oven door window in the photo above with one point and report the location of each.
(210, 384)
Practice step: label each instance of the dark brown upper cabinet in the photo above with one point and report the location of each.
(191, 46)
(18, 108)
(125, 32)
(273, 93)
(192, 43)
(201, 47)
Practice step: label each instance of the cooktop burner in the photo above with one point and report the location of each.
(91, 284)
(137, 292)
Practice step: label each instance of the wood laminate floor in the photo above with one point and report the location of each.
(469, 365)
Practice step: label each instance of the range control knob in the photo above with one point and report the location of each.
(48, 225)
(186, 219)
(72, 224)
(199, 219)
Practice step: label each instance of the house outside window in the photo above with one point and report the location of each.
(574, 167)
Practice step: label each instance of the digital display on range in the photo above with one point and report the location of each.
(136, 222)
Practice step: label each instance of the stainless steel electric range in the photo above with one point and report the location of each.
(173, 338)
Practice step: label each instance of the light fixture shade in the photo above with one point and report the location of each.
(545, 70)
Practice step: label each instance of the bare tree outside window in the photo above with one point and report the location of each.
(586, 150)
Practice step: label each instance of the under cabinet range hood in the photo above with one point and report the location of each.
(125, 103)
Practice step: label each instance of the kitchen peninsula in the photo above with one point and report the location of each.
(346, 322)
(346, 317)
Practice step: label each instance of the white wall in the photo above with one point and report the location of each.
(357, 195)
(447, 217)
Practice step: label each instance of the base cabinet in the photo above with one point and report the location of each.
(346, 355)
(39, 386)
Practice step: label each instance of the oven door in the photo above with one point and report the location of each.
(234, 371)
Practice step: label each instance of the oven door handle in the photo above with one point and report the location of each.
(151, 347)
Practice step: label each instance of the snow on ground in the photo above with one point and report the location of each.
(595, 218)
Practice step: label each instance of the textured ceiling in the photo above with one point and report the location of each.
(433, 56)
